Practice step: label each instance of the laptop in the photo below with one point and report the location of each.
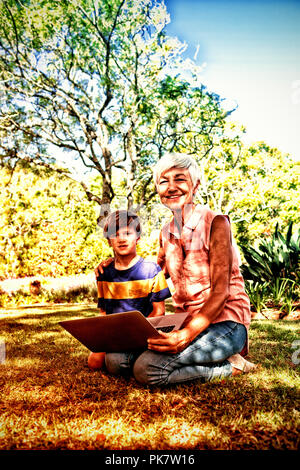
(124, 331)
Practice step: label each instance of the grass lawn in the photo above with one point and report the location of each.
(51, 400)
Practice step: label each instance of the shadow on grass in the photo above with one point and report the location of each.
(51, 400)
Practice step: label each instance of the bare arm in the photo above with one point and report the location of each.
(161, 258)
(220, 257)
(158, 309)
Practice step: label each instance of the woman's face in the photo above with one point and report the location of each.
(176, 189)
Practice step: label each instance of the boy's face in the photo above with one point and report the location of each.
(124, 243)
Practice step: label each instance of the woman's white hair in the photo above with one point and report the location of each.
(177, 160)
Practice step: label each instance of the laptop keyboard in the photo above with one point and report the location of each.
(166, 329)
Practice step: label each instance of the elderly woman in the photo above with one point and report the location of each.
(196, 251)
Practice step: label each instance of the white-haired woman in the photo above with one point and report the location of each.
(196, 252)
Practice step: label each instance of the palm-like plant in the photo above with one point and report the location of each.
(275, 258)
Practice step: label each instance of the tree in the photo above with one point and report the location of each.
(257, 186)
(47, 226)
(101, 80)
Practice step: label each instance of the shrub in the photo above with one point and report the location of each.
(271, 271)
(277, 257)
(258, 295)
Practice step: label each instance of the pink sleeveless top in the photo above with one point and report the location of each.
(186, 258)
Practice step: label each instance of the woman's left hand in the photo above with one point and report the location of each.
(171, 343)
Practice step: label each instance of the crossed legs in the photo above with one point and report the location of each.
(205, 358)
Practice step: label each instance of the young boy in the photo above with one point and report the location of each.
(130, 282)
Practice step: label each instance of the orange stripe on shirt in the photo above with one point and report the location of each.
(132, 289)
(159, 282)
(126, 290)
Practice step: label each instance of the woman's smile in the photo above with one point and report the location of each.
(176, 188)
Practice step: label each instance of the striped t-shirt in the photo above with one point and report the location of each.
(134, 288)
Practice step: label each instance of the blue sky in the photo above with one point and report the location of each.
(251, 49)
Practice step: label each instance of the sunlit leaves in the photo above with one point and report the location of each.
(47, 226)
(100, 79)
(257, 186)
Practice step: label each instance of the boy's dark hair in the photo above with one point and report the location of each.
(120, 219)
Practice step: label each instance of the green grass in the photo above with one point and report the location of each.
(51, 400)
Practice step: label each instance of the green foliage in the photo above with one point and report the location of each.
(275, 258)
(258, 294)
(272, 271)
(102, 81)
(148, 247)
(48, 227)
(281, 295)
(258, 186)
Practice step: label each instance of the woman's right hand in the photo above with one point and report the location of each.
(170, 343)
(103, 264)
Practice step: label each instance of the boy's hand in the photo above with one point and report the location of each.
(103, 264)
